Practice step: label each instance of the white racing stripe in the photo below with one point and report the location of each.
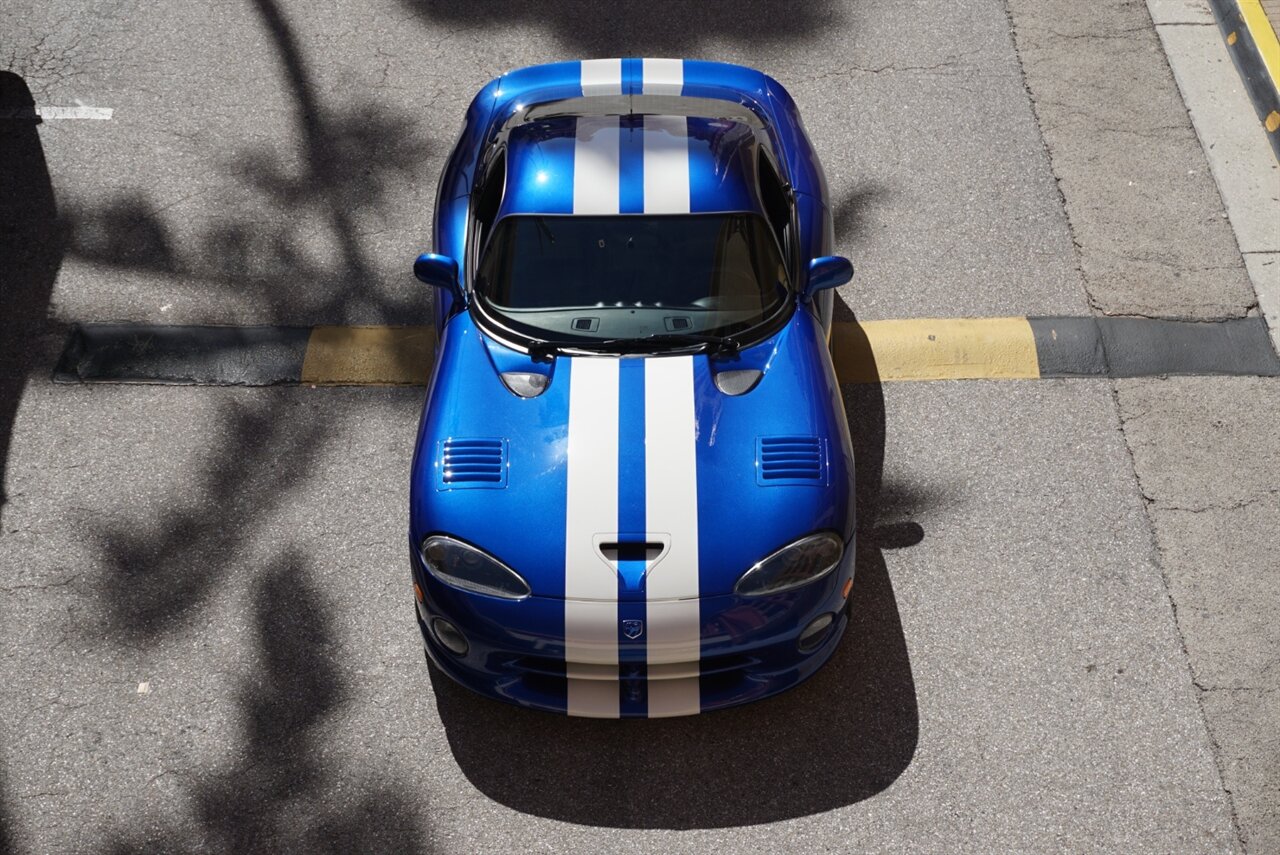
(671, 698)
(602, 77)
(673, 624)
(666, 165)
(590, 586)
(662, 76)
(596, 165)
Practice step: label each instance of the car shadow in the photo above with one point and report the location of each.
(32, 244)
(843, 736)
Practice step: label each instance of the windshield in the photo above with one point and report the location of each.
(585, 279)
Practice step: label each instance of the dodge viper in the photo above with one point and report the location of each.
(632, 490)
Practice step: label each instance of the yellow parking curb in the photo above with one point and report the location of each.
(935, 349)
(363, 356)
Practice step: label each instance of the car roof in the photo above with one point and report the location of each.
(630, 164)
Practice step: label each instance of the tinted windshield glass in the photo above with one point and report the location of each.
(586, 278)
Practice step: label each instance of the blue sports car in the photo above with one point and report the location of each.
(632, 492)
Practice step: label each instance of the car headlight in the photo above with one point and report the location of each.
(806, 560)
(462, 566)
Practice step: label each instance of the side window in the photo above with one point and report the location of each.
(777, 205)
(488, 199)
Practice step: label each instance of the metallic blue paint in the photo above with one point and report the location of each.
(540, 169)
(632, 528)
(440, 271)
(722, 167)
(748, 647)
(631, 166)
(827, 271)
(540, 158)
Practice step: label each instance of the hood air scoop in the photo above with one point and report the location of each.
(632, 556)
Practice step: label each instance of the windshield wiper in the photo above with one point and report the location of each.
(542, 351)
(716, 344)
(719, 345)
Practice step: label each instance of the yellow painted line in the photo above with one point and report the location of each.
(369, 356)
(868, 352)
(1273, 121)
(1264, 36)
(936, 349)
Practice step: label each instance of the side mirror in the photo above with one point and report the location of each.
(829, 271)
(439, 271)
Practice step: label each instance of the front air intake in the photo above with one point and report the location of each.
(472, 462)
(790, 460)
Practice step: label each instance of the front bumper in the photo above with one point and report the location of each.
(749, 647)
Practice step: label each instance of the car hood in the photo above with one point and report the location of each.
(632, 477)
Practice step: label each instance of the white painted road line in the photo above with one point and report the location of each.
(47, 113)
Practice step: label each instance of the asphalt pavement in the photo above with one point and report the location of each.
(1060, 638)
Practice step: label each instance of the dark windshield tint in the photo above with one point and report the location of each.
(610, 277)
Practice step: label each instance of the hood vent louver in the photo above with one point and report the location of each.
(791, 460)
(472, 462)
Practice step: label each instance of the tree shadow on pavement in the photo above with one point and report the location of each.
(263, 449)
(32, 242)
(285, 792)
(351, 161)
(656, 28)
(282, 796)
(7, 826)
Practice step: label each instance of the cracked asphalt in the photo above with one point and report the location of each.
(1064, 632)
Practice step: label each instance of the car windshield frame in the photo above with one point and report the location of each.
(743, 326)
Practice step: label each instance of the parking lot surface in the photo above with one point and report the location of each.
(1060, 636)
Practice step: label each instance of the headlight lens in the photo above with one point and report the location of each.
(462, 566)
(807, 560)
